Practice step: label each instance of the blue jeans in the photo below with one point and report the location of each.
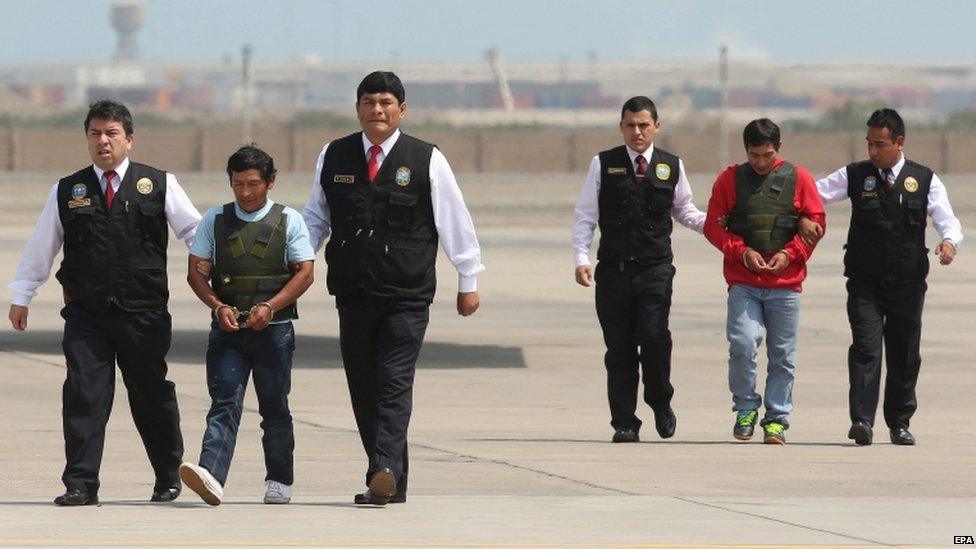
(755, 312)
(231, 357)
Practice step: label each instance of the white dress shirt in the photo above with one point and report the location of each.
(833, 188)
(48, 236)
(455, 229)
(588, 205)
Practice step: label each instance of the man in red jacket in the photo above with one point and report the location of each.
(764, 266)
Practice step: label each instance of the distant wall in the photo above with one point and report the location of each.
(525, 151)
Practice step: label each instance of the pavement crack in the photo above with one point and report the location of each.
(781, 521)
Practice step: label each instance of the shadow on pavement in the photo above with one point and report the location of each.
(189, 346)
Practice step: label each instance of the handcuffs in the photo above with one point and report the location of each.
(241, 317)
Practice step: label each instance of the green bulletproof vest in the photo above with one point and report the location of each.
(765, 217)
(250, 260)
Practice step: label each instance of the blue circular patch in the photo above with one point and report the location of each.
(870, 183)
(79, 191)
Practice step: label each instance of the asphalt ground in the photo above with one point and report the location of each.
(510, 431)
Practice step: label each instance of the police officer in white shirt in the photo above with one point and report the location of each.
(886, 265)
(385, 200)
(110, 219)
(632, 192)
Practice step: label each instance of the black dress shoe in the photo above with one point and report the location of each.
(76, 496)
(163, 494)
(860, 433)
(382, 486)
(901, 437)
(665, 423)
(626, 435)
(366, 498)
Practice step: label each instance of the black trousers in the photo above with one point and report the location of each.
(92, 344)
(380, 340)
(892, 314)
(633, 302)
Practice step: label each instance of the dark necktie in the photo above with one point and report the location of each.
(372, 165)
(641, 167)
(109, 189)
(889, 178)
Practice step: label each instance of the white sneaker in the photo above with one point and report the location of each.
(277, 492)
(200, 480)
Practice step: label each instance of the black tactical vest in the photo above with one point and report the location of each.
(886, 239)
(384, 241)
(765, 217)
(116, 257)
(250, 262)
(635, 218)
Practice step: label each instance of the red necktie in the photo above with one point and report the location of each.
(373, 166)
(109, 189)
(641, 167)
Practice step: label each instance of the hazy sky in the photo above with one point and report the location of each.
(68, 30)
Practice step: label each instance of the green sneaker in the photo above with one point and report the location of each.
(745, 424)
(775, 433)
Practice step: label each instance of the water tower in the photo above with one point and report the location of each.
(126, 18)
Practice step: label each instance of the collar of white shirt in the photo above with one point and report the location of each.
(646, 154)
(386, 145)
(119, 171)
(896, 169)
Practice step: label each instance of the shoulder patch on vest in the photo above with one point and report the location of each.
(662, 171)
(911, 184)
(403, 176)
(346, 179)
(616, 171)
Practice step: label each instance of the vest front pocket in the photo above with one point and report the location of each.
(868, 213)
(399, 211)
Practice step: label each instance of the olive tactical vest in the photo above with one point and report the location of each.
(765, 217)
(250, 259)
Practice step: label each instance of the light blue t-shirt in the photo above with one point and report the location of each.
(298, 247)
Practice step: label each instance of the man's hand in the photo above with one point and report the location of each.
(18, 317)
(204, 267)
(467, 303)
(227, 318)
(778, 262)
(584, 275)
(810, 231)
(945, 250)
(754, 260)
(259, 317)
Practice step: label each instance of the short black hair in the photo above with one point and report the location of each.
(109, 109)
(888, 118)
(637, 104)
(761, 131)
(380, 82)
(249, 157)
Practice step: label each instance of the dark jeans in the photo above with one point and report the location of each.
(891, 314)
(231, 357)
(380, 341)
(92, 344)
(633, 302)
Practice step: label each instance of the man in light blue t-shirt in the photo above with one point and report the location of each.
(262, 262)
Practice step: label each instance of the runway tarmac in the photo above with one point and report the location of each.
(510, 432)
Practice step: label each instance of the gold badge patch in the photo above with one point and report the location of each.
(346, 179)
(79, 203)
(662, 171)
(144, 185)
(911, 184)
(616, 171)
